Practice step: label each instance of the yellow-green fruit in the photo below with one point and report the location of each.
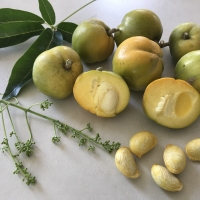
(91, 40)
(102, 93)
(55, 71)
(184, 39)
(188, 69)
(139, 22)
(139, 61)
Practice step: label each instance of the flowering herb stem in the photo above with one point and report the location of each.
(27, 147)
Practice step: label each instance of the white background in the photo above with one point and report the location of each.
(67, 171)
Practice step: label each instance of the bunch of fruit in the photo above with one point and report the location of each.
(136, 65)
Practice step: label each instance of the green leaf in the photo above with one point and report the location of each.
(67, 29)
(17, 26)
(47, 11)
(12, 15)
(17, 32)
(22, 70)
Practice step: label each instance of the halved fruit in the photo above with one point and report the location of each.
(102, 93)
(171, 103)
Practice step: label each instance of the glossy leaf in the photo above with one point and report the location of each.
(22, 70)
(17, 32)
(47, 11)
(67, 29)
(8, 15)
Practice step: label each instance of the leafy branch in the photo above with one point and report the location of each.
(27, 147)
(17, 26)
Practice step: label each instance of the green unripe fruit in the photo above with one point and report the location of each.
(92, 41)
(188, 69)
(140, 22)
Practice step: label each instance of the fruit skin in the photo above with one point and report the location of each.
(50, 75)
(139, 22)
(139, 61)
(103, 93)
(188, 69)
(171, 103)
(178, 45)
(92, 41)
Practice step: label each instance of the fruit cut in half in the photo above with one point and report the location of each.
(171, 103)
(102, 93)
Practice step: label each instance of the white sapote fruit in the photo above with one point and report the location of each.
(93, 41)
(102, 93)
(126, 164)
(142, 142)
(188, 69)
(174, 159)
(165, 179)
(171, 103)
(55, 71)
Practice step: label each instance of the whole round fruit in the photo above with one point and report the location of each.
(92, 41)
(171, 103)
(139, 61)
(188, 69)
(139, 22)
(102, 93)
(55, 71)
(184, 39)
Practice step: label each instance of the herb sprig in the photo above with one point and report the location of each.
(27, 147)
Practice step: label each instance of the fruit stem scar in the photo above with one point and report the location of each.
(68, 64)
(186, 36)
(111, 31)
(99, 69)
(163, 44)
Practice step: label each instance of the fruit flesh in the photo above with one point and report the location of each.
(101, 93)
(171, 103)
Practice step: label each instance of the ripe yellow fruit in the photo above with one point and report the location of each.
(102, 93)
(139, 61)
(171, 103)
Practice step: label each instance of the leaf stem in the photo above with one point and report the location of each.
(74, 13)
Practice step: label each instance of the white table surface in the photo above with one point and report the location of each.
(67, 171)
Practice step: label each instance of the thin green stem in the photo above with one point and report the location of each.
(29, 128)
(6, 137)
(74, 12)
(27, 110)
(12, 124)
(19, 166)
